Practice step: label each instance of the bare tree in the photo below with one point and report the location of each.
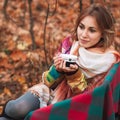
(4, 9)
(80, 4)
(91, 1)
(48, 12)
(31, 24)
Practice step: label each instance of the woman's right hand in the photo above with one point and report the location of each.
(58, 62)
(60, 65)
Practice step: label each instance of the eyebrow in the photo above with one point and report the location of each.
(89, 27)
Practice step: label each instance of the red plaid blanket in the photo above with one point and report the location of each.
(99, 104)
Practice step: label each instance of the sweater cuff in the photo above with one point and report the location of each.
(73, 75)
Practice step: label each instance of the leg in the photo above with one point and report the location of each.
(3, 118)
(19, 108)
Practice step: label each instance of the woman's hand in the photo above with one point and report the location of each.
(60, 65)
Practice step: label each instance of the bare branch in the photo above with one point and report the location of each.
(80, 4)
(44, 36)
(91, 1)
(4, 8)
(31, 25)
(23, 17)
(8, 17)
(54, 11)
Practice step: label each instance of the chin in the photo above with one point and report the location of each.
(83, 45)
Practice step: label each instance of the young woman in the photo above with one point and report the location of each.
(93, 43)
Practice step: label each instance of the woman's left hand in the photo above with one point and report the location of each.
(60, 65)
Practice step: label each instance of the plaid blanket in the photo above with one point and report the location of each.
(100, 103)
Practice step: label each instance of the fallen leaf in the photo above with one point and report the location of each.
(18, 55)
(4, 62)
(7, 91)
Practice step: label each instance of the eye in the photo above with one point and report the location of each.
(81, 26)
(92, 30)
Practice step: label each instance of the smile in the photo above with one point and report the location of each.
(83, 41)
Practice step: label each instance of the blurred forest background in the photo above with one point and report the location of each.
(30, 33)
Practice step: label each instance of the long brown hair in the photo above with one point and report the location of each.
(104, 20)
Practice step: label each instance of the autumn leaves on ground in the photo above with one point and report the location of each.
(30, 34)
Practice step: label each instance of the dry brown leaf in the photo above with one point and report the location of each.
(18, 55)
(3, 55)
(63, 2)
(11, 45)
(5, 77)
(18, 64)
(21, 80)
(22, 31)
(22, 45)
(25, 87)
(26, 39)
(33, 56)
(7, 91)
(4, 63)
(39, 41)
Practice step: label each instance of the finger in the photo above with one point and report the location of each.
(57, 61)
(74, 66)
(61, 64)
(57, 54)
(64, 64)
(66, 69)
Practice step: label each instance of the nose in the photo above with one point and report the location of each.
(84, 33)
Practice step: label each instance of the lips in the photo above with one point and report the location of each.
(83, 41)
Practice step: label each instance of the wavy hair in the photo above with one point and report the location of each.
(104, 20)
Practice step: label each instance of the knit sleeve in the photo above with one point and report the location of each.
(76, 82)
(50, 77)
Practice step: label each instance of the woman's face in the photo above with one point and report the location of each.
(88, 32)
